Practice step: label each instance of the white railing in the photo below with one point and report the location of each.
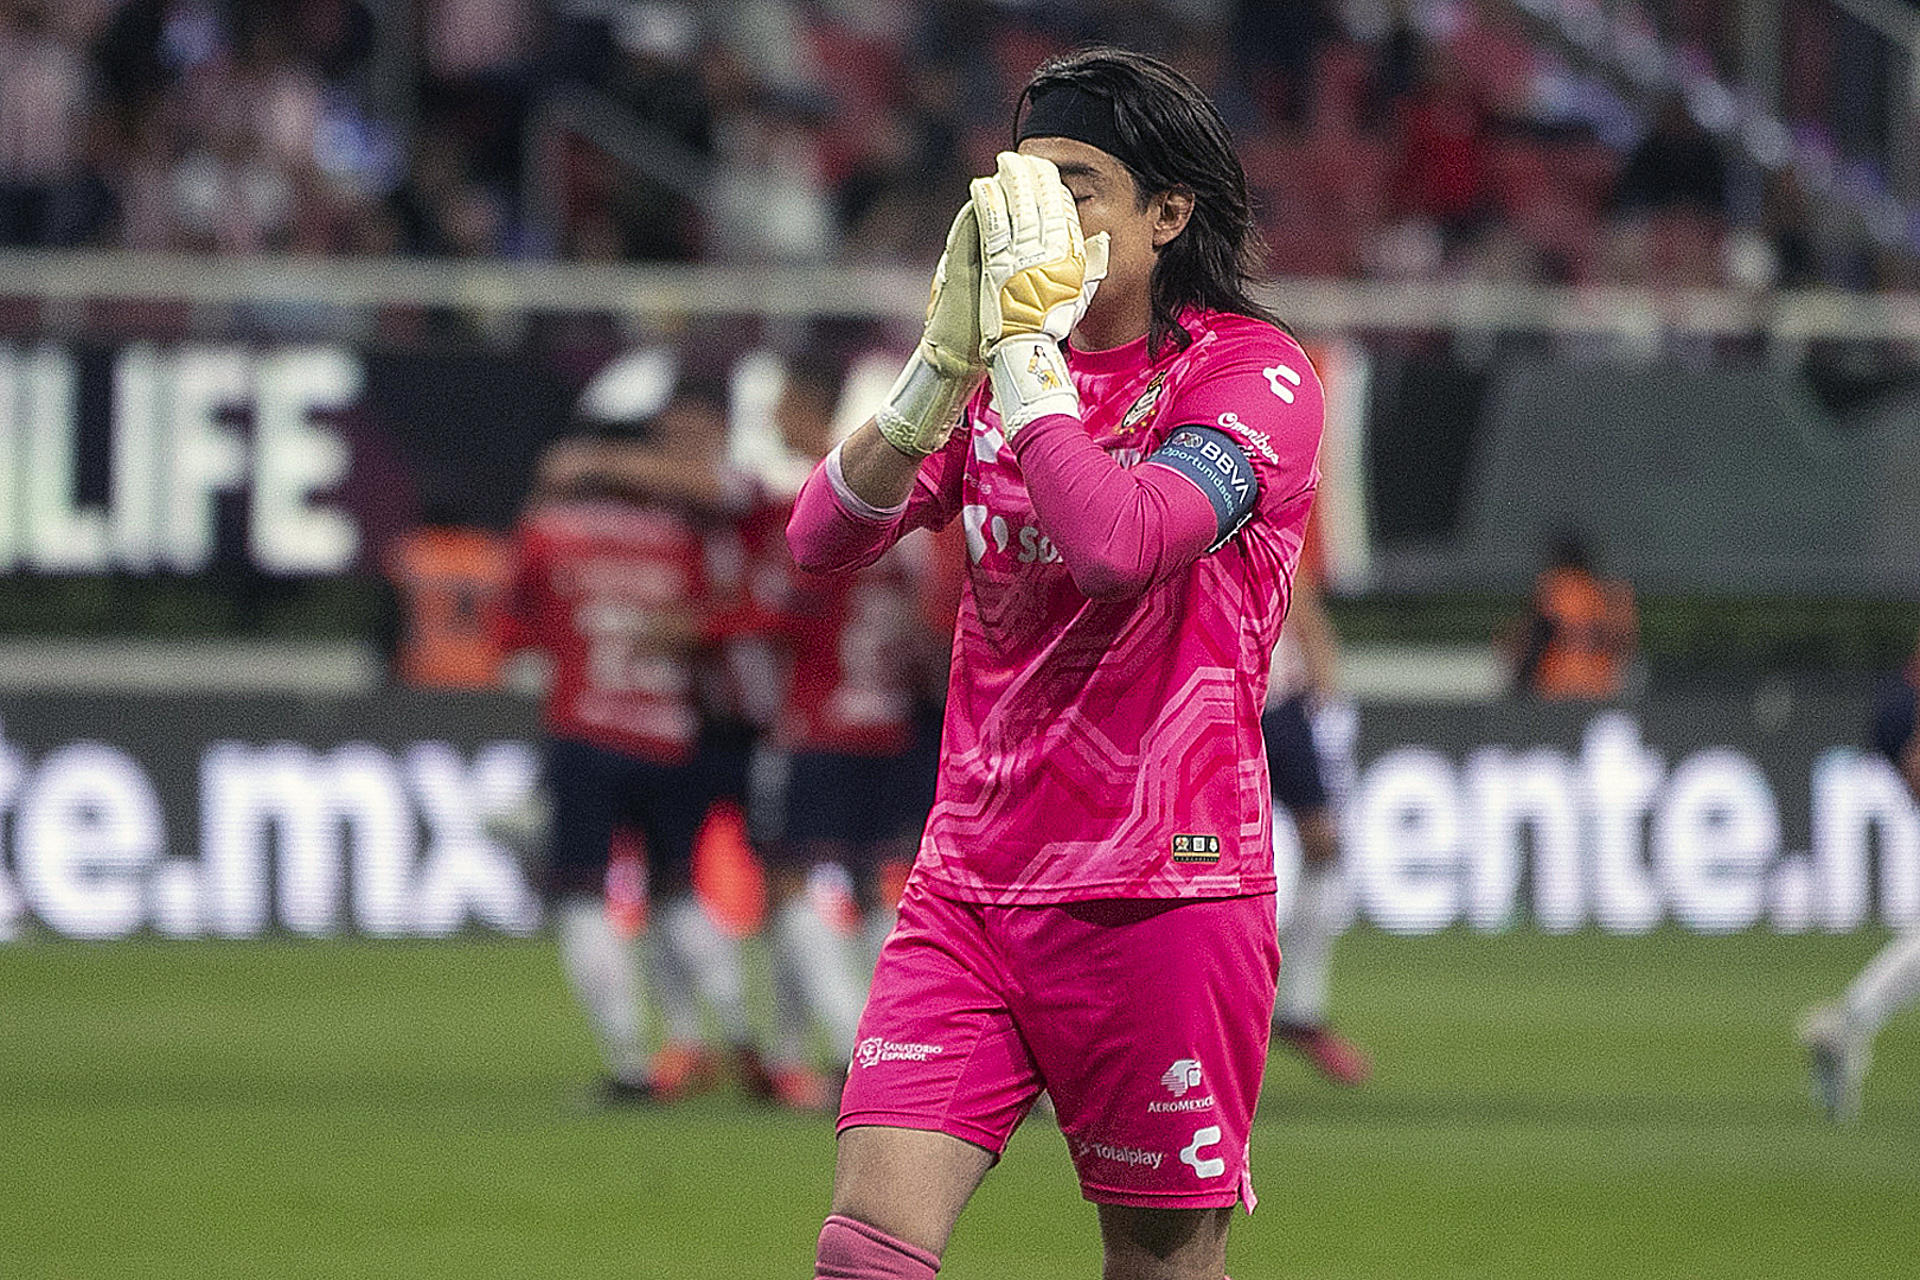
(1323, 307)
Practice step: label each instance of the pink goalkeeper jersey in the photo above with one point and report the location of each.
(1111, 748)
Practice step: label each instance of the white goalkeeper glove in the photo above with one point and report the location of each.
(946, 368)
(1038, 275)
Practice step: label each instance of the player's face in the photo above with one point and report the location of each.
(1107, 199)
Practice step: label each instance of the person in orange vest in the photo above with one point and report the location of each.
(448, 578)
(1580, 633)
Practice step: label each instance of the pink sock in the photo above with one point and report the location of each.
(851, 1250)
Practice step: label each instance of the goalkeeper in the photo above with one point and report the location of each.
(1128, 439)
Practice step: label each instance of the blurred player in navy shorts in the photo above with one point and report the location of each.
(617, 589)
(1838, 1036)
(852, 647)
(1298, 726)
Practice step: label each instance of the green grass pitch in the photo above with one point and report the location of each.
(1544, 1107)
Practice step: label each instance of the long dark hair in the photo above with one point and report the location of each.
(1174, 139)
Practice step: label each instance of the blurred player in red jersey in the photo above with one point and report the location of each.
(618, 592)
(758, 607)
(1300, 728)
(1092, 910)
(840, 735)
(1838, 1036)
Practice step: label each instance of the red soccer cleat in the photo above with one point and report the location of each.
(788, 1085)
(1334, 1056)
(751, 1070)
(801, 1089)
(682, 1070)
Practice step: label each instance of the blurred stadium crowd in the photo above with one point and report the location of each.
(1394, 139)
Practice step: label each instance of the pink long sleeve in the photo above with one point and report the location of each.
(833, 531)
(1118, 529)
(827, 535)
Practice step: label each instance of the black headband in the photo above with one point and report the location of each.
(1068, 111)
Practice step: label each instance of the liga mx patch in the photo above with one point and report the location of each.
(1193, 848)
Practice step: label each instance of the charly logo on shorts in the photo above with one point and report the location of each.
(1212, 1166)
(874, 1050)
(1180, 1079)
(1131, 1157)
(1196, 848)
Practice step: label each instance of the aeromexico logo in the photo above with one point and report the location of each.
(1180, 1080)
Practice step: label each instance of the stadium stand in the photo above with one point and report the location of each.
(1434, 140)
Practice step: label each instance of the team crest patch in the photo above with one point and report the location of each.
(1142, 408)
(1191, 848)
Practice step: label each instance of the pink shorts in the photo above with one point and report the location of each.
(1146, 1020)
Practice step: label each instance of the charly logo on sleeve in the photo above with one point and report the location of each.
(1278, 377)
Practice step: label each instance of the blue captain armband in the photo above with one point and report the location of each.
(1219, 468)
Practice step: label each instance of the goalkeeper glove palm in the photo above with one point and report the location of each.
(1037, 276)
